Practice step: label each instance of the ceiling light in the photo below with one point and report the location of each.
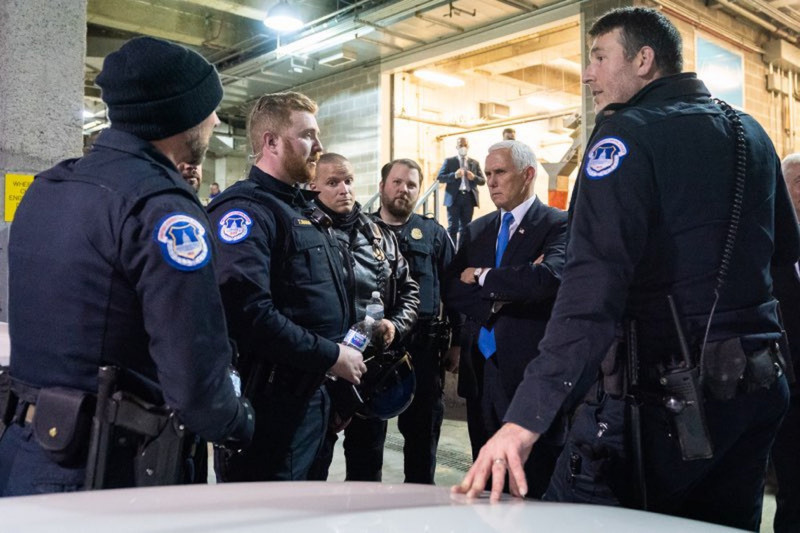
(438, 77)
(283, 18)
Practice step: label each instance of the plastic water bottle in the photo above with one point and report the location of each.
(375, 307)
(360, 334)
(236, 379)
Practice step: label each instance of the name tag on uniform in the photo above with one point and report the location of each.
(302, 222)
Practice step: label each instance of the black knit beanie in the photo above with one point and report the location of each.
(155, 89)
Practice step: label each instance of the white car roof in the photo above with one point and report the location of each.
(315, 507)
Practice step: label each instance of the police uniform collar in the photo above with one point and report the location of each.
(660, 90)
(122, 141)
(290, 194)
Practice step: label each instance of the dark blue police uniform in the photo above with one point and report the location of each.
(281, 281)
(649, 219)
(111, 264)
(429, 250)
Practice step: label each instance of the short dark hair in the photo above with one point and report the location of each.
(643, 26)
(410, 163)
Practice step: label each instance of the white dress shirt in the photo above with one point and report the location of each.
(519, 213)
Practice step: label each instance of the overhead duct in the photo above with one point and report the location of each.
(493, 110)
(337, 59)
(782, 54)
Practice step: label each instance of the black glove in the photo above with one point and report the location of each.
(243, 432)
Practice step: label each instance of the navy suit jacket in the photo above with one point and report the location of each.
(447, 175)
(516, 298)
(786, 288)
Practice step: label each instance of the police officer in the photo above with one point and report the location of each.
(653, 217)
(111, 264)
(373, 263)
(428, 249)
(282, 285)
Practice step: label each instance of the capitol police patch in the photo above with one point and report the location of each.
(234, 226)
(183, 242)
(604, 157)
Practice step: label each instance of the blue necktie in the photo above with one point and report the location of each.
(486, 342)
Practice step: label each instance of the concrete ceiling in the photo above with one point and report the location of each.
(253, 60)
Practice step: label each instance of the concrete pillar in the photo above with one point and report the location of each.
(42, 49)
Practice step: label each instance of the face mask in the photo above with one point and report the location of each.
(462, 151)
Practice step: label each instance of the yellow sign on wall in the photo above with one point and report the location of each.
(16, 185)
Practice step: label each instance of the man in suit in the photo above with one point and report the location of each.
(504, 278)
(786, 288)
(462, 175)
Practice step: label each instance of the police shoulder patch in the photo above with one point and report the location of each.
(183, 241)
(234, 226)
(605, 157)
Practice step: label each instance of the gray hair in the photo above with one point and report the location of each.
(789, 161)
(521, 154)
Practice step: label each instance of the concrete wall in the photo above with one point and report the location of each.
(350, 122)
(42, 49)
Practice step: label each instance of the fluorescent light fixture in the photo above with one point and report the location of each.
(437, 77)
(283, 18)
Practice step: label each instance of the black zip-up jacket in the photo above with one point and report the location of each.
(111, 264)
(650, 218)
(280, 275)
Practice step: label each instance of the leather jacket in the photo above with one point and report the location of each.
(374, 262)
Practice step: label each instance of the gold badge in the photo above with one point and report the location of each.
(416, 233)
(378, 253)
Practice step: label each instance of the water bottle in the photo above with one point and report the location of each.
(375, 307)
(359, 334)
(236, 379)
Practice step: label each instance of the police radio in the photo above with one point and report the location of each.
(684, 400)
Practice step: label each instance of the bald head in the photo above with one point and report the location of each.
(334, 182)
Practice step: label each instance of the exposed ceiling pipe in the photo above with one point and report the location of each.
(491, 124)
(230, 6)
(444, 23)
(409, 9)
(393, 33)
(697, 20)
(758, 20)
(518, 4)
(775, 14)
